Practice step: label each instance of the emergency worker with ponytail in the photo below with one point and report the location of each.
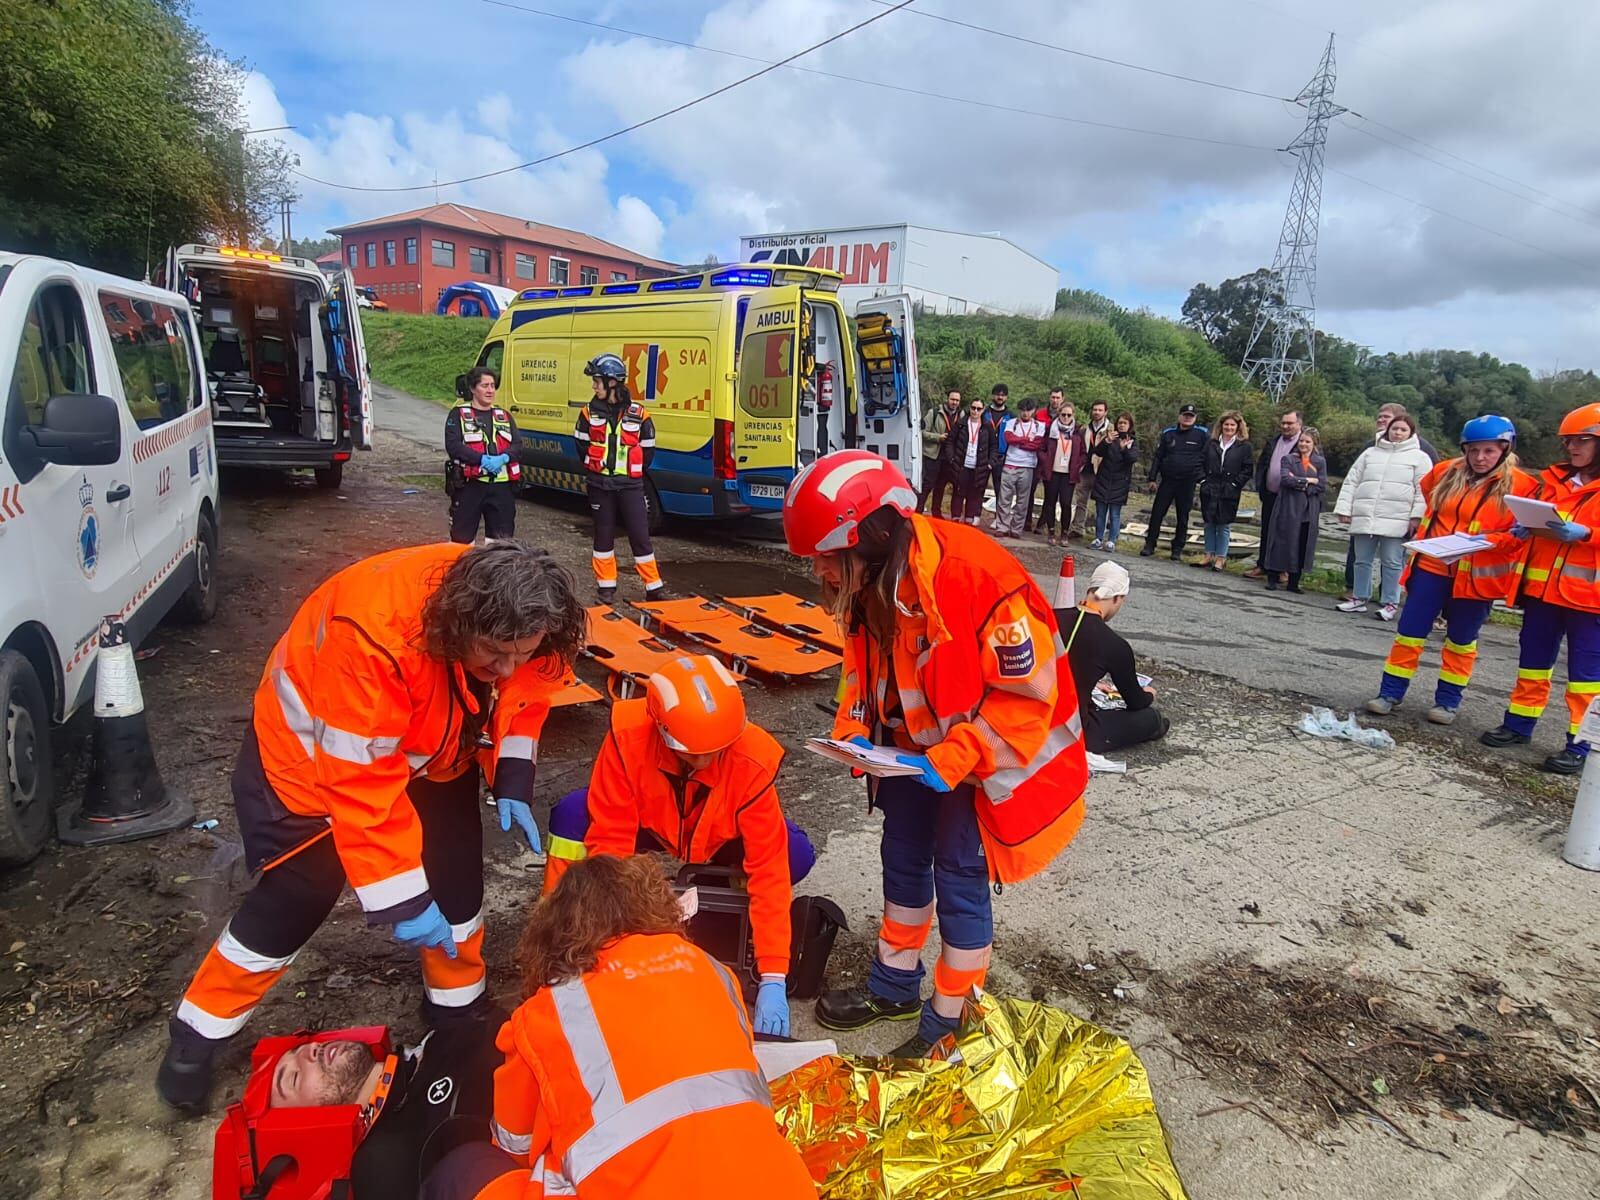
(616, 440)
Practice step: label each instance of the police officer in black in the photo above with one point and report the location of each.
(483, 474)
(1178, 464)
(616, 442)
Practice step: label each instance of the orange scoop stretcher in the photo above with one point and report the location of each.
(805, 619)
(574, 691)
(627, 650)
(749, 646)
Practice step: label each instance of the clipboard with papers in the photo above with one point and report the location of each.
(1452, 547)
(1534, 514)
(881, 761)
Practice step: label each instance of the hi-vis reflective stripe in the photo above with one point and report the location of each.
(397, 889)
(552, 1180)
(240, 955)
(460, 933)
(457, 997)
(999, 786)
(313, 731)
(209, 1026)
(517, 746)
(512, 1143)
(1587, 574)
(1537, 574)
(619, 1123)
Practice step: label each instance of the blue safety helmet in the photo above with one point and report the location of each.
(1489, 428)
(605, 366)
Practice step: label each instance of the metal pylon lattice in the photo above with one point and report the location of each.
(1289, 309)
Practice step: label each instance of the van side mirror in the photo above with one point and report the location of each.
(77, 431)
(461, 386)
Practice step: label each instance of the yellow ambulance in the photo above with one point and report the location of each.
(750, 371)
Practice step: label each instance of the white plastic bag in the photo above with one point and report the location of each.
(1321, 722)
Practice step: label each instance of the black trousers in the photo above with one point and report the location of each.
(625, 507)
(1268, 499)
(967, 502)
(1115, 728)
(937, 478)
(1058, 490)
(1041, 479)
(494, 503)
(1171, 493)
(291, 900)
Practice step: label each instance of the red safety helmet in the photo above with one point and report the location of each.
(696, 704)
(829, 499)
(1582, 420)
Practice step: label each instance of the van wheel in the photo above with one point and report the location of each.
(655, 519)
(27, 787)
(198, 604)
(330, 477)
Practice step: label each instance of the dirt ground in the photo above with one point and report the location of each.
(1350, 973)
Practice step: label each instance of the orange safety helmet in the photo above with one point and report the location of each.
(829, 499)
(696, 704)
(1581, 420)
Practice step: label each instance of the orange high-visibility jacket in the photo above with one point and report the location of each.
(979, 685)
(638, 783)
(1489, 574)
(350, 708)
(637, 1082)
(1566, 573)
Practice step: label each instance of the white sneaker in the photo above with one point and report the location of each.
(1095, 545)
(1441, 715)
(1381, 705)
(1388, 612)
(1352, 606)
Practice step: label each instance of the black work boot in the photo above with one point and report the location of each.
(1501, 736)
(184, 1080)
(1564, 762)
(857, 1007)
(915, 1046)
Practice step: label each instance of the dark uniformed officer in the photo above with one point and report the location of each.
(617, 440)
(481, 440)
(1178, 464)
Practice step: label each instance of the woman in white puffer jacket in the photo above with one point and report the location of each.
(1381, 501)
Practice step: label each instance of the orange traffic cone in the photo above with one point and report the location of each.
(125, 797)
(1066, 586)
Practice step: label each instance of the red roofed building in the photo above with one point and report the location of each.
(410, 258)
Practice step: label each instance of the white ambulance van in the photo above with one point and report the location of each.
(108, 499)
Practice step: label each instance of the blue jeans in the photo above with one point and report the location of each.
(1107, 521)
(1217, 539)
(1391, 555)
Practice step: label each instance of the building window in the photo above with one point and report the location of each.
(353, 253)
(411, 252)
(388, 253)
(588, 274)
(477, 260)
(619, 277)
(372, 254)
(444, 253)
(526, 267)
(558, 270)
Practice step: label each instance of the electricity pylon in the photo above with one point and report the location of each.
(1289, 306)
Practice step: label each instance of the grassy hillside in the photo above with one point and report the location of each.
(422, 355)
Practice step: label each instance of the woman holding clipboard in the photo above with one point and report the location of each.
(1560, 596)
(1465, 495)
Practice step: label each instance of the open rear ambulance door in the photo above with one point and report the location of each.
(765, 434)
(348, 329)
(888, 415)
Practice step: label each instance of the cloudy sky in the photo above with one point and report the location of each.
(1463, 211)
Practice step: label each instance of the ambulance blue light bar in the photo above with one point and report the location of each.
(539, 294)
(619, 289)
(743, 277)
(683, 283)
(577, 291)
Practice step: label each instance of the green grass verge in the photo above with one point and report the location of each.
(430, 482)
(422, 354)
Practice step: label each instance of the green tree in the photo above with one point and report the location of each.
(310, 247)
(121, 132)
(1224, 315)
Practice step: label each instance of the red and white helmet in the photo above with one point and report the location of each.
(828, 500)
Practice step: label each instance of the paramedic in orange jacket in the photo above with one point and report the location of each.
(683, 771)
(951, 655)
(1560, 597)
(395, 681)
(1465, 496)
(629, 1072)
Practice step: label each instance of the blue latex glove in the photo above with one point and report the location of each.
(494, 463)
(864, 743)
(516, 810)
(930, 778)
(1519, 530)
(772, 1008)
(427, 928)
(1569, 531)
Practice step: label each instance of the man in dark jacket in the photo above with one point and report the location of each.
(1094, 652)
(938, 466)
(1179, 461)
(996, 416)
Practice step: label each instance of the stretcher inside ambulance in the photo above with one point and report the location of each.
(285, 363)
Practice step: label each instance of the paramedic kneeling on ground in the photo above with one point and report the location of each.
(683, 771)
(1096, 652)
(629, 1070)
(396, 680)
(951, 655)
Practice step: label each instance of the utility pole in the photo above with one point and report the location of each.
(1290, 305)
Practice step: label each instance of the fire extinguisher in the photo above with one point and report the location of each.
(825, 387)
